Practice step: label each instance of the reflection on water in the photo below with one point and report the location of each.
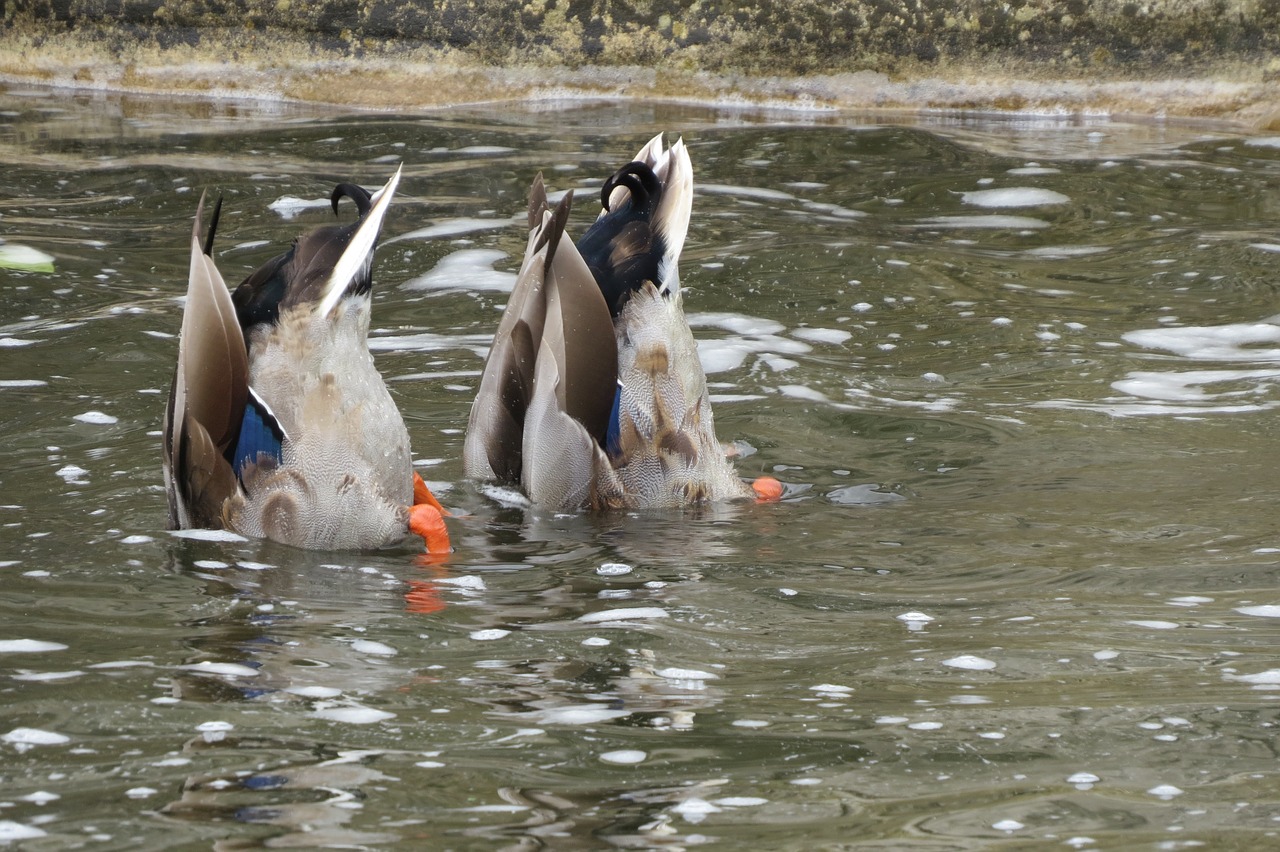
(996, 604)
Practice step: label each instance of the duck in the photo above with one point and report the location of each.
(278, 425)
(592, 396)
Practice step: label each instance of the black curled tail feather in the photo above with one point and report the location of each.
(213, 227)
(640, 181)
(357, 193)
(622, 248)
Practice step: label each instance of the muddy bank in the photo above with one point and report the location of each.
(1177, 58)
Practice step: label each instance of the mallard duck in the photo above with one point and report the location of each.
(592, 394)
(278, 424)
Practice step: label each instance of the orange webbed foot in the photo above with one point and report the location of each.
(422, 495)
(768, 489)
(427, 521)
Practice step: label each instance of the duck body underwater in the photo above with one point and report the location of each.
(592, 395)
(279, 425)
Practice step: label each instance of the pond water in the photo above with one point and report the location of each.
(1019, 376)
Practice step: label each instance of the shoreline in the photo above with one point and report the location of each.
(276, 68)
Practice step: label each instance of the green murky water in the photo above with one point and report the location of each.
(1021, 379)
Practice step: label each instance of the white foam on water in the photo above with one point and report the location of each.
(29, 646)
(596, 642)
(1033, 170)
(208, 535)
(750, 335)
(34, 737)
(22, 383)
(96, 418)
(141, 792)
(1189, 600)
(46, 676)
(914, 618)
(1007, 825)
(377, 649)
(741, 801)
(742, 324)
(483, 149)
(925, 726)
(1271, 677)
(802, 392)
(11, 831)
(220, 669)
(40, 797)
(314, 691)
(353, 715)
(750, 723)
(15, 342)
(864, 397)
(455, 228)
(1083, 780)
(695, 810)
(73, 474)
(289, 206)
(624, 757)
(970, 662)
(685, 675)
(1059, 252)
(1017, 196)
(834, 336)
(754, 193)
(1263, 142)
(834, 211)
(613, 569)
(1189, 386)
(468, 269)
(1262, 611)
(1232, 342)
(992, 221)
(490, 634)
(505, 496)
(630, 614)
(1271, 247)
(576, 714)
(136, 539)
(215, 726)
(832, 689)
(1154, 624)
(1165, 791)
(1105, 655)
(467, 582)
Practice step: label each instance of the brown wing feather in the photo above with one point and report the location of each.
(208, 395)
(583, 341)
(496, 424)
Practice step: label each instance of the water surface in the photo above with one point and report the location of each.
(1019, 376)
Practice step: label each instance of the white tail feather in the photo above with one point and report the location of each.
(672, 218)
(359, 253)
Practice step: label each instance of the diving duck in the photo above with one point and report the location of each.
(592, 394)
(278, 424)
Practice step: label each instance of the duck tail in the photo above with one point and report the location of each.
(357, 257)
